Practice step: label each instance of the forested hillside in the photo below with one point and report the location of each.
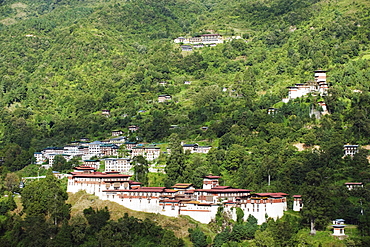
(63, 62)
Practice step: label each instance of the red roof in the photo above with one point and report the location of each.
(169, 200)
(279, 194)
(99, 175)
(134, 182)
(140, 189)
(215, 190)
(84, 168)
(169, 190)
(212, 177)
(221, 187)
(354, 183)
(297, 196)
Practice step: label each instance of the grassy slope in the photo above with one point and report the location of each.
(82, 200)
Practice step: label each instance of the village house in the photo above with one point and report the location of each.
(297, 203)
(119, 140)
(150, 152)
(121, 165)
(109, 149)
(105, 113)
(130, 145)
(350, 150)
(182, 199)
(72, 150)
(164, 97)
(210, 39)
(186, 48)
(354, 185)
(133, 128)
(195, 148)
(117, 132)
(338, 230)
(94, 148)
(39, 157)
(272, 111)
(95, 164)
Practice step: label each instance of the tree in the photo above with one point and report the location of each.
(12, 182)
(316, 199)
(46, 199)
(96, 218)
(141, 169)
(239, 215)
(60, 164)
(175, 163)
(197, 237)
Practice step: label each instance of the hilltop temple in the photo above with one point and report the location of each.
(182, 199)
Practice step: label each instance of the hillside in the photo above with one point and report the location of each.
(81, 200)
(63, 62)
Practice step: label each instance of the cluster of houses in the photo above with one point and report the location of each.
(108, 151)
(199, 42)
(182, 199)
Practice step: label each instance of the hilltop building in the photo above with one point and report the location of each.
(202, 39)
(183, 199)
(318, 86)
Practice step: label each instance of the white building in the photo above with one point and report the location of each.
(203, 39)
(297, 203)
(94, 148)
(350, 150)
(121, 165)
(354, 185)
(182, 199)
(338, 230)
(195, 148)
(318, 86)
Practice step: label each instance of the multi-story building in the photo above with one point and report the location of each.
(150, 152)
(121, 165)
(182, 199)
(195, 148)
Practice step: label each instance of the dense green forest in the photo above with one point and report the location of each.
(63, 62)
